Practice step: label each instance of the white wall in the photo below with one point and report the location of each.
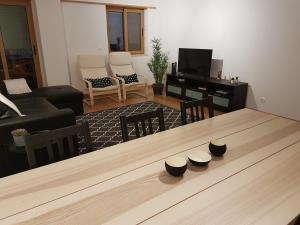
(51, 34)
(258, 40)
(86, 33)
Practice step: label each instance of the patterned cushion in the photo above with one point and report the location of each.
(101, 82)
(129, 78)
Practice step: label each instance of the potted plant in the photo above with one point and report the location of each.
(158, 66)
(18, 136)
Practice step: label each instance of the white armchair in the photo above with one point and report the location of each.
(93, 67)
(121, 64)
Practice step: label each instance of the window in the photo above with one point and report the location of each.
(125, 29)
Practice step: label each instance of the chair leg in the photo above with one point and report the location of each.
(124, 94)
(91, 97)
(119, 95)
(146, 90)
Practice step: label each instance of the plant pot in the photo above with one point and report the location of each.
(158, 89)
(19, 141)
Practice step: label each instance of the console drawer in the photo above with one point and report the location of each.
(193, 94)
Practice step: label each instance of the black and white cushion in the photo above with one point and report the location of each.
(129, 78)
(100, 82)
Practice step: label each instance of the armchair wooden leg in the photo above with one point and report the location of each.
(146, 90)
(91, 97)
(124, 94)
(119, 95)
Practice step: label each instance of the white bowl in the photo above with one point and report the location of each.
(199, 158)
(176, 165)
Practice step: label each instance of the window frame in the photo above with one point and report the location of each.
(125, 10)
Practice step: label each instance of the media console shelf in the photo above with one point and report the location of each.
(226, 96)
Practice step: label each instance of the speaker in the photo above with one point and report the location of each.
(174, 68)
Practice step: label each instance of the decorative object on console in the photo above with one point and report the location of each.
(17, 86)
(128, 78)
(158, 66)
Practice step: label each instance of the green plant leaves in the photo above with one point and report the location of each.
(159, 62)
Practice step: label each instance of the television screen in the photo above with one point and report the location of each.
(195, 61)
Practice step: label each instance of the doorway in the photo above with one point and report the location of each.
(18, 49)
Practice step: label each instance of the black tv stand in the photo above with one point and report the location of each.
(226, 96)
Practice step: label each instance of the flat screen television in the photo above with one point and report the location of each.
(195, 61)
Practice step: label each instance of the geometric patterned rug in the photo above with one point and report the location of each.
(105, 125)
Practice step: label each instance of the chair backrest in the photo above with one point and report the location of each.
(92, 66)
(57, 141)
(121, 63)
(193, 106)
(142, 118)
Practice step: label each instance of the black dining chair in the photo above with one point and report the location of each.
(59, 144)
(142, 118)
(194, 106)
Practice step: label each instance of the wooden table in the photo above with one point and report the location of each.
(256, 182)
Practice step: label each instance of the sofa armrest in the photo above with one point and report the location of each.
(44, 121)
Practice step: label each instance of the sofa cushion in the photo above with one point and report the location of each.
(54, 94)
(32, 106)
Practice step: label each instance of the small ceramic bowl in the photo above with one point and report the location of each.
(199, 158)
(217, 148)
(176, 166)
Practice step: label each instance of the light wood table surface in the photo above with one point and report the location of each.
(256, 182)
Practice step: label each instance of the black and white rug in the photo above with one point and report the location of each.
(105, 125)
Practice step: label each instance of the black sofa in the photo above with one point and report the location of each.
(45, 109)
(61, 97)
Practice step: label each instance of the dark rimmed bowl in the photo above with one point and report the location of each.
(199, 158)
(176, 166)
(217, 148)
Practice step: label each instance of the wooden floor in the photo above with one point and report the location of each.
(109, 102)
